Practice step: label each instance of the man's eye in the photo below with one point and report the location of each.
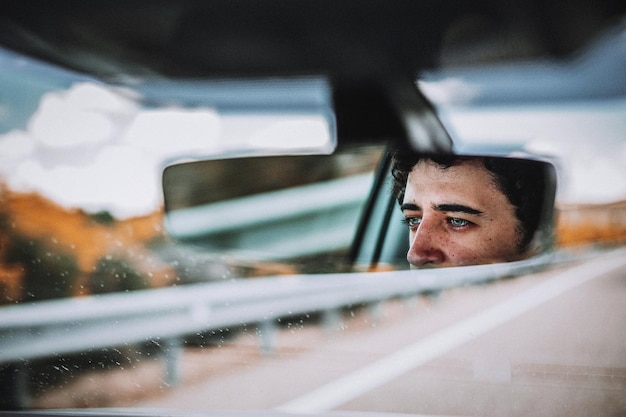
(412, 221)
(456, 222)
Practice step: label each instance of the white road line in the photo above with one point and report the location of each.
(378, 373)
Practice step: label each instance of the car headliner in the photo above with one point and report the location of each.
(369, 50)
(349, 40)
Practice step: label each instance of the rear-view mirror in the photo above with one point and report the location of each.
(305, 210)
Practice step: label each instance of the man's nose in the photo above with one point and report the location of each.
(425, 248)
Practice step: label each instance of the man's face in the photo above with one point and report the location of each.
(457, 216)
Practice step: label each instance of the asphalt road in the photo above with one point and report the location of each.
(547, 344)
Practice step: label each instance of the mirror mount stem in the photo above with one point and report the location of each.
(423, 129)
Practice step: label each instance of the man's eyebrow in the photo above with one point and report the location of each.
(457, 208)
(410, 206)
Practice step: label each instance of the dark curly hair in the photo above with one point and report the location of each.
(525, 183)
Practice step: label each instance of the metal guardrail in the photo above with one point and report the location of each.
(53, 328)
(272, 206)
(57, 327)
(298, 221)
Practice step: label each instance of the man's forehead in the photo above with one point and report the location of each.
(467, 183)
(468, 171)
(458, 164)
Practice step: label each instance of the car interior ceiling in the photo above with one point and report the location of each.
(192, 39)
(388, 46)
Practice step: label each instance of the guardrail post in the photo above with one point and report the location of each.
(172, 352)
(331, 319)
(433, 295)
(15, 392)
(22, 384)
(266, 330)
(375, 310)
(409, 301)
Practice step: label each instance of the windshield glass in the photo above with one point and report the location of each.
(210, 245)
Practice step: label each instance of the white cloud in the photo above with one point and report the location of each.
(168, 132)
(280, 132)
(592, 174)
(121, 180)
(15, 146)
(79, 116)
(98, 98)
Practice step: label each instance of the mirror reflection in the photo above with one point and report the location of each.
(300, 211)
(317, 213)
(469, 210)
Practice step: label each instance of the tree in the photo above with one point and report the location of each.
(115, 274)
(48, 273)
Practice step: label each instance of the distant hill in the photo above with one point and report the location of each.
(580, 224)
(30, 223)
